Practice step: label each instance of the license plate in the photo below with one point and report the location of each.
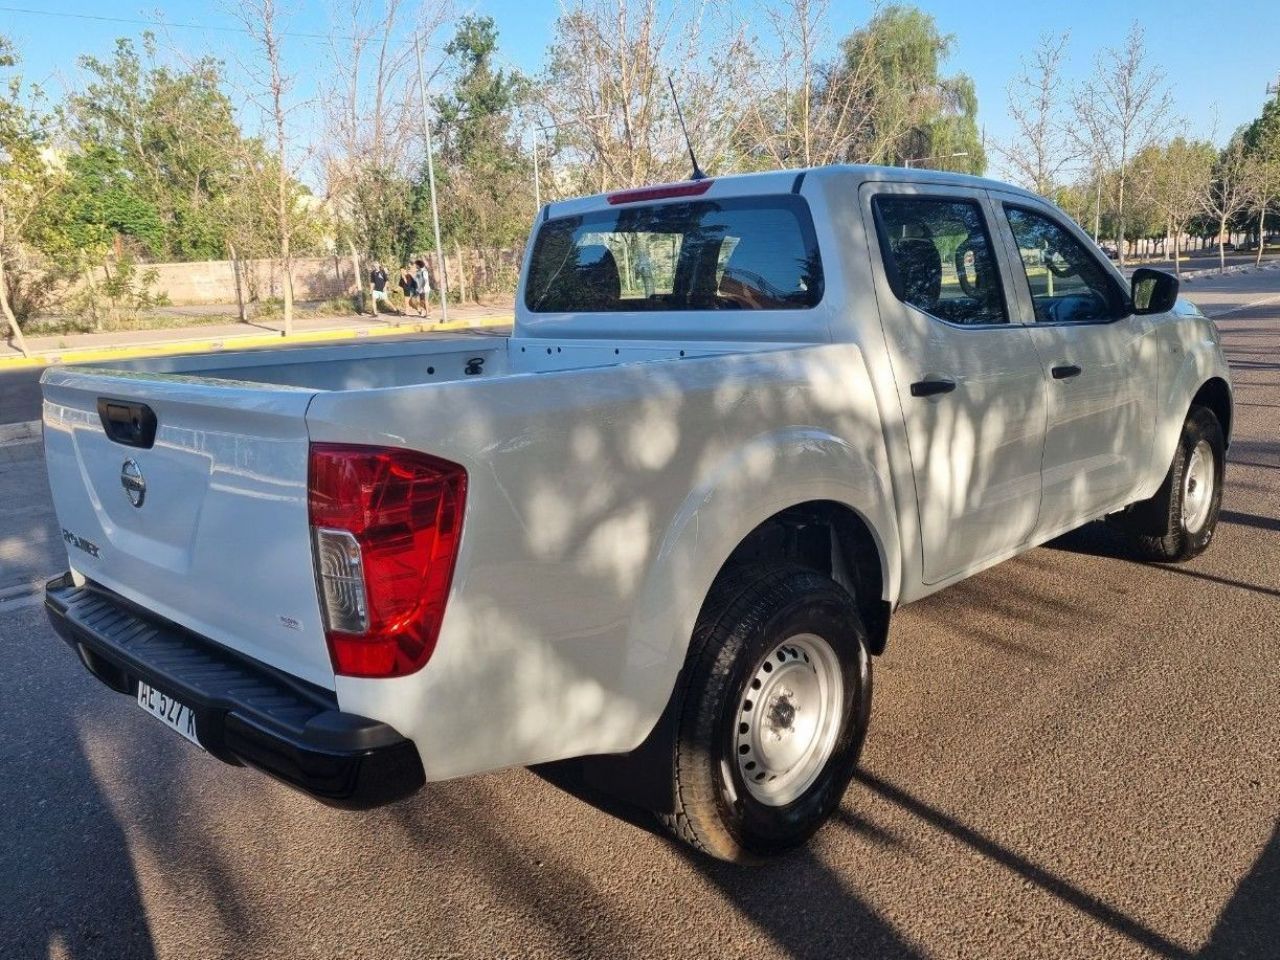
(175, 715)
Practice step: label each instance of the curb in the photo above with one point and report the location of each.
(1229, 271)
(160, 348)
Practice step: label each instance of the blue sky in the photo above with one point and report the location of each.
(1219, 56)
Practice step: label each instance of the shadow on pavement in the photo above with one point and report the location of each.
(67, 880)
(797, 901)
(1096, 539)
(1249, 925)
(1048, 881)
(1250, 520)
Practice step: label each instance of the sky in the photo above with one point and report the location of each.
(1219, 57)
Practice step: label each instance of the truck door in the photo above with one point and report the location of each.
(969, 380)
(1100, 365)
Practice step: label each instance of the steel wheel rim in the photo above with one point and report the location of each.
(788, 719)
(1197, 487)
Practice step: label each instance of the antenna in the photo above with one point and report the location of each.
(697, 171)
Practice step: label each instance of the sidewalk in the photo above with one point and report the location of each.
(87, 347)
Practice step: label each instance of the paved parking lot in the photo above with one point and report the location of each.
(1073, 755)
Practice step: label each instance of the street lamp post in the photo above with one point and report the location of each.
(942, 156)
(537, 184)
(431, 182)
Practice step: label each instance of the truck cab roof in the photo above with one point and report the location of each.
(780, 181)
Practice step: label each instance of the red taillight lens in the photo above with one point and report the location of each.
(404, 511)
(694, 188)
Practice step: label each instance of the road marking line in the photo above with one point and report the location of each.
(1243, 306)
(12, 434)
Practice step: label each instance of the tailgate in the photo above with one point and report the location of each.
(206, 525)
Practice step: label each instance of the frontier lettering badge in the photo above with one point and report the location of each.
(80, 543)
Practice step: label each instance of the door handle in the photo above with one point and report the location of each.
(931, 388)
(1065, 372)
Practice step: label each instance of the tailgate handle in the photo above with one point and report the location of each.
(132, 424)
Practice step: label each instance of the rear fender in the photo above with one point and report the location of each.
(772, 472)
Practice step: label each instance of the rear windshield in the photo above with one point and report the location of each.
(745, 253)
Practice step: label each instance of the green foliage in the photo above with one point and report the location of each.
(27, 177)
(482, 176)
(165, 141)
(1262, 136)
(115, 299)
(94, 202)
(917, 113)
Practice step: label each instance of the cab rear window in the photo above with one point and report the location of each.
(745, 253)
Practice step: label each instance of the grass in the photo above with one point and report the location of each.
(162, 318)
(52, 325)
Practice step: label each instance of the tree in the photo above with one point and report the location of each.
(605, 90)
(484, 175)
(804, 110)
(27, 177)
(1041, 148)
(164, 138)
(1121, 110)
(273, 92)
(914, 112)
(373, 123)
(1262, 144)
(1173, 179)
(1227, 192)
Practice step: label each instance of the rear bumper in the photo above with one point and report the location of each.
(245, 711)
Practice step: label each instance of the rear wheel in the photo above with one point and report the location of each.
(1178, 523)
(774, 712)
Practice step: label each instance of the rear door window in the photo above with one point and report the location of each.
(938, 257)
(744, 253)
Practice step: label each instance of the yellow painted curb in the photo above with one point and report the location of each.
(127, 351)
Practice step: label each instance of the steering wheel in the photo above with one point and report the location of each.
(1051, 257)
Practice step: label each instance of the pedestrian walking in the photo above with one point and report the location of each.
(408, 286)
(378, 281)
(424, 287)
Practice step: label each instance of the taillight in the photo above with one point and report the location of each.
(695, 188)
(385, 526)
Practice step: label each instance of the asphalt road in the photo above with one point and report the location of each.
(1073, 755)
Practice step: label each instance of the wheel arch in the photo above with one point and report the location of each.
(800, 478)
(1215, 395)
(834, 539)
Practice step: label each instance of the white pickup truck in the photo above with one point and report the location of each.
(738, 423)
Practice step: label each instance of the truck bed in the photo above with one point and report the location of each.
(402, 363)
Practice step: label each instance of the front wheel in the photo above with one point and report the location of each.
(1179, 521)
(774, 712)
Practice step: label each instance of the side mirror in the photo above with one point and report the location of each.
(1153, 291)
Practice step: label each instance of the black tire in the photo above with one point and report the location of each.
(1156, 527)
(748, 613)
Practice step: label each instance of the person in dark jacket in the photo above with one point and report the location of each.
(408, 286)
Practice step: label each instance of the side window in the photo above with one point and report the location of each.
(938, 258)
(1067, 283)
